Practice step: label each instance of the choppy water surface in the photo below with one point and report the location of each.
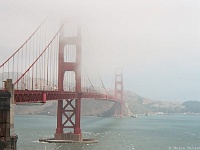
(156, 132)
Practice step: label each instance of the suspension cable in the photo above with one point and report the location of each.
(40, 54)
(90, 82)
(24, 42)
(103, 84)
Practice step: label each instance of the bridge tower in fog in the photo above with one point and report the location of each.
(68, 110)
(119, 91)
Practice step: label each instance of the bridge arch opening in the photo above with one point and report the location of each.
(69, 83)
(118, 87)
(70, 53)
(118, 78)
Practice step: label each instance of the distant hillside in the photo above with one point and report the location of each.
(141, 105)
(191, 107)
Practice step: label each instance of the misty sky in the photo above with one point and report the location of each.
(157, 42)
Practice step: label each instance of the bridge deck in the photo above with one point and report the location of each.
(26, 96)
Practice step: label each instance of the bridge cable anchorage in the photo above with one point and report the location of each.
(38, 56)
(24, 42)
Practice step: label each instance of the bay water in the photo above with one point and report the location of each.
(154, 132)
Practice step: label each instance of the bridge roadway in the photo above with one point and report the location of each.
(37, 96)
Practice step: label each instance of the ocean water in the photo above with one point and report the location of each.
(156, 132)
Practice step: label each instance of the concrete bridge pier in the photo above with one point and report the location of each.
(8, 140)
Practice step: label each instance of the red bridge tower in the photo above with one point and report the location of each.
(68, 111)
(119, 89)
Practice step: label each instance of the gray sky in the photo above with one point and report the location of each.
(157, 42)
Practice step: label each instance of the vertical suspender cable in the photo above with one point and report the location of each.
(30, 72)
(8, 69)
(37, 57)
(17, 67)
(44, 56)
(40, 60)
(53, 63)
(32, 78)
(47, 63)
(21, 65)
(13, 67)
(2, 75)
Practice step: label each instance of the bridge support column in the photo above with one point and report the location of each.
(119, 91)
(59, 129)
(10, 87)
(77, 129)
(68, 117)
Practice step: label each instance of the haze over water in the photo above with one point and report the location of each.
(156, 132)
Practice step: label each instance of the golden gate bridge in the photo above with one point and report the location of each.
(49, 66)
